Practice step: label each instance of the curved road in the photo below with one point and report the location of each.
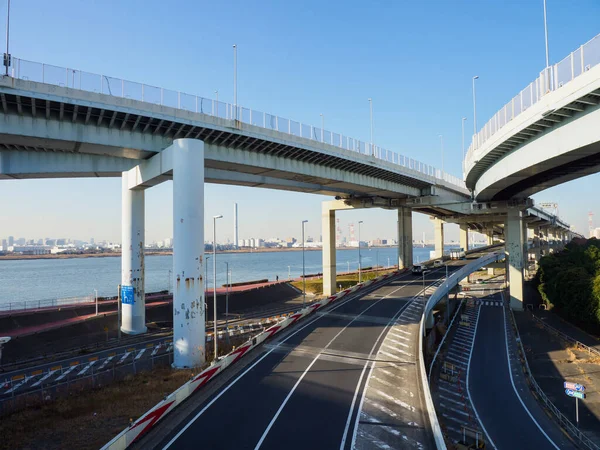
(507, 410)
(304, 390)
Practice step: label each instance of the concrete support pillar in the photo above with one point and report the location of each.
(429, 320)
(189, 310)
(329, 255)
(464, 236)
(438, 232)
(513, 230)
(490, 237)
(133, 318)
(405, 238)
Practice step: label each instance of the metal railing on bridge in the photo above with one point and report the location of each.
(550, 79)
(14, 306)
(102, 84)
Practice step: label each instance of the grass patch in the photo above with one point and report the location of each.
(315, 286)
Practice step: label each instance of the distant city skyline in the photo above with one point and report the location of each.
(419, 82)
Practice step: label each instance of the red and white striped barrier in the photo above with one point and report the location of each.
(129, 435)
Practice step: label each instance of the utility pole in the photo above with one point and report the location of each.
(215, 336)
(303, 269)
(235, 81)
(7, 56)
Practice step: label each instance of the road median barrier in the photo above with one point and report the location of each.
(142, 425)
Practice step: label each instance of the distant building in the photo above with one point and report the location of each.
(11, 241)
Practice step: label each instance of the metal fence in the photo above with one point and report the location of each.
(102, 84)
(575, 434)
(49, 303)
(550, 79)
(566, 337)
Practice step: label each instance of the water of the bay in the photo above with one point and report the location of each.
(41, 279)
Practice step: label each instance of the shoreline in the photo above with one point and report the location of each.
(11, 257)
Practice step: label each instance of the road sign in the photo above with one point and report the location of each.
(572, 393)
(127, 295)
(574, 386)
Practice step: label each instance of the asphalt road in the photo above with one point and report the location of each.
(510, 420)
(301, 393)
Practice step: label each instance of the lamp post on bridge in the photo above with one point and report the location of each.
(217, 103)
(463, 138)
(235, 81)
(303, 270)
(474, 107)
(442, 148)
(322, 127)
(545, 33)
(371, 114)
(359, 258)
(215, 336)
(7, 56)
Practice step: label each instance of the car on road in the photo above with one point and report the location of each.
(438, 263)
(419, 269)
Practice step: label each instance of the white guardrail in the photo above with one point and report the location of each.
(102, 84)
(440, 293)
(130, 434)
(550, 79)
(38, 304)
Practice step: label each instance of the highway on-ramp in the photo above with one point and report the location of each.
(511, 417)
(304, 390)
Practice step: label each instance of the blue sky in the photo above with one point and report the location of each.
(297, 60)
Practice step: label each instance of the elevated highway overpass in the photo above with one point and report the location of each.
(61, 122)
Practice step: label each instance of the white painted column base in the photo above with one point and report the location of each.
(405, 238)
(514, 253)
(438, 237)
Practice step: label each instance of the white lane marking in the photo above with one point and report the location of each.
(397, 349)
(398, 336)
(468, 391)
(458, 394)
(397, 342)
(448, 399)
(394, 400)
(189, 424)
(289, 395)
(391, 385)
(389, 355)
(453, 409)
(373, 440)
(364, 394)
(514, 387)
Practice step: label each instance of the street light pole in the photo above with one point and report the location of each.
(359, 258)
(7, 34)
(303, 271)
(96, 291)
(289, 273)
(227, 283)
(474, 107)
(545, 33)
(217, 104)
(235, 80)
(371, 113)
(215, 336)
(463, 137)
(322, 127)
(442, 147)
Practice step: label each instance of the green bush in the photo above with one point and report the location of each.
(570, 282)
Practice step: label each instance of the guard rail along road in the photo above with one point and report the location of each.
(76, 79)
(130, 434)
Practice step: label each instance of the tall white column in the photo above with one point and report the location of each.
(329, 256)
(464, 236)
(514, 252)
(132, 259)
(405, 238)
(438, 232)
(188, 254)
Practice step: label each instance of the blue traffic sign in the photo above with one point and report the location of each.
(574, 386)
(127, 295)
(572, 393)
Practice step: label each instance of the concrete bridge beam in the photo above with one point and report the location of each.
(189, 310)
(132, 259)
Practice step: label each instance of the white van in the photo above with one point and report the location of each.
(438, 263)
